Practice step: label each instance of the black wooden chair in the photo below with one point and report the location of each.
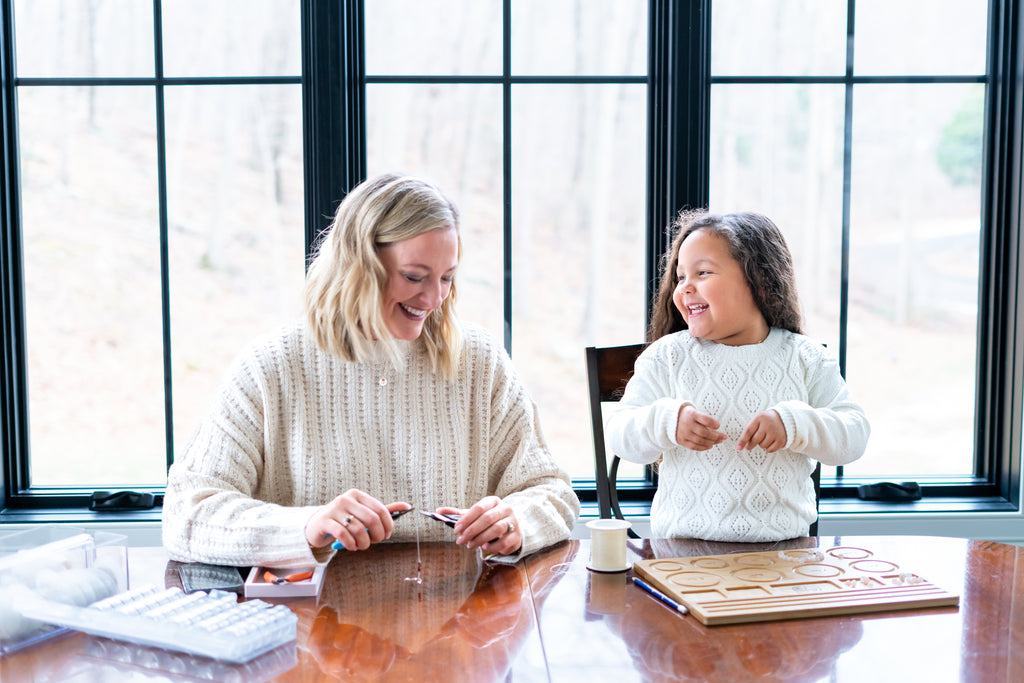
(608, 370)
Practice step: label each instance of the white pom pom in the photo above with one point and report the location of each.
(79, 587)
(12, 624)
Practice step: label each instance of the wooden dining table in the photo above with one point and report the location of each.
(438, 612)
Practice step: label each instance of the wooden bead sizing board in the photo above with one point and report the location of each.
(789, 584)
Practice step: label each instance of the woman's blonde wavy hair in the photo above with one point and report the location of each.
(345, 282)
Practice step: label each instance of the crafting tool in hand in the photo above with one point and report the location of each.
(654, 592)
(337, 545)
(450, 520)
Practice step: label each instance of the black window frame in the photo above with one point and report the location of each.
(679, 84)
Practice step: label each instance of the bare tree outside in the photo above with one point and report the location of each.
(88, 160)
(914, 225)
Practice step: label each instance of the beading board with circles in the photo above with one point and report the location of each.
(790, 584)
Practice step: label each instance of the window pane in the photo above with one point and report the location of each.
(570, 38)
(908, 37)
(84, 38)
(914, 274)
(778, 150)
(231, 38)
(236, 238)
(92, 286)
(455, 142)
(407, 37)
(577, 246)
(778, 38)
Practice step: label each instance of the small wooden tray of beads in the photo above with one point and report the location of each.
(790, 584)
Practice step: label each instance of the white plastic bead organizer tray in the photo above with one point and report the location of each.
(210, 624)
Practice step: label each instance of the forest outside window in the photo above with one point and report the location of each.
(157, 202)
(159, 160)
(865, 143)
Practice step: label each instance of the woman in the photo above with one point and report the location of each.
(380, 394)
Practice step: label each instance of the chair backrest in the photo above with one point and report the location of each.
(608, 370)
(816, 478)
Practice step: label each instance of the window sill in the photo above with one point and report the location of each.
(69, 516)
(829, 506)
(938, 505)
(854, 506)
(140, 528)
(991, 519)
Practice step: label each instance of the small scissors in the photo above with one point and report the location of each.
(447, 519)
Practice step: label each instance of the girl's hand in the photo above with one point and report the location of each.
(490, 524)
(355, 518)
(697, 431)
(765, 430)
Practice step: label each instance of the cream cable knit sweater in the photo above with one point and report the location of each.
(724, 494)
(293, 427)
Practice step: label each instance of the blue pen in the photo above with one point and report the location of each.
(394, 515)
(651, 590)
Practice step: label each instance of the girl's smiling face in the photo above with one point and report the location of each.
(712, 293)
(420, 274)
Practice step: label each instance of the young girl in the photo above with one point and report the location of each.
(733, 399)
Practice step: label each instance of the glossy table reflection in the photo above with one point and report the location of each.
(463, 620)
(549, 618)
(609, 630)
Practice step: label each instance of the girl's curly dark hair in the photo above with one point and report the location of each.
(757, 245)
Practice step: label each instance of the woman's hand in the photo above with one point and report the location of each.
(490, 525)
(355, 518)
(765, 430)
(696, 430)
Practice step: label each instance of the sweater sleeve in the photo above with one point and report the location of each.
(643, 425)
(210, 511)
(831, 427)
(522, 470)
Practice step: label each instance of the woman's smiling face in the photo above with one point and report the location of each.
(420, 272)
(712, 293)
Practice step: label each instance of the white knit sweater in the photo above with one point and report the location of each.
(723, 494)
(293, 427)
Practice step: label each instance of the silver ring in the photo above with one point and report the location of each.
(348, 520)
(511, 526)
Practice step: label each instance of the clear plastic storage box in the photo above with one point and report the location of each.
(45, 561)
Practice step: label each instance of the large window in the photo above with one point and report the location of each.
(865, 144)
(155, 218)
(167, 165)
(535, 122)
